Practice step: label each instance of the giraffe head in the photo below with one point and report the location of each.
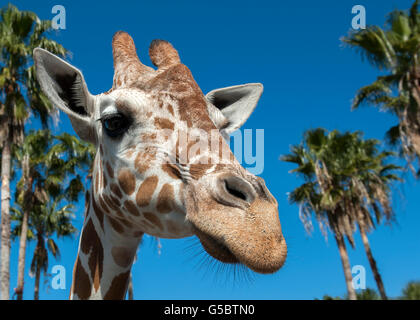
(163, 166)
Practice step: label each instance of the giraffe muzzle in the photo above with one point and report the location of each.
(236, 220)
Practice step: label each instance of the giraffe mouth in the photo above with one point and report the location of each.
(249, 236)
(215, 247)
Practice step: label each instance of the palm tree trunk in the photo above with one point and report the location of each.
(130, 287)
(410, 118)
(37, 262)
(24, 232)
(346, 266)
(5, 218)
(37, 279)
(372, 263)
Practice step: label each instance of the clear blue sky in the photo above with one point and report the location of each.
(293, 48)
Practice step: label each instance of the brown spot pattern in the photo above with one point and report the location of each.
(103, 205)
(128, 224)
(122, 256)
(162, 123)
(118, 287)
(119, 213)
(127, 181)
(146, 190)
(165, 199)
(193, 110)
(116, 190)
(115, 200)
(153, 219)
(105, 182)
(172, 170)
(109, 170)
(170, 109)
(82, 286)
(116, 225)
(98, 212)
(131, 208)
(109, 202)
(197, 170)
(91, 244)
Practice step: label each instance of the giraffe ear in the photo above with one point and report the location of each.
(235, 103)
(65, 86)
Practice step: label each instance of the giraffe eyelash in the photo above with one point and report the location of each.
(109, 116)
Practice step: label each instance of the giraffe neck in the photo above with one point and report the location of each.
(105, 256)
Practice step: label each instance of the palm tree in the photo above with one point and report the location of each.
(395, 51)
(371, 193)
(20, 33)
(366, 294)
(411, 291)
(347, 182)
(53, 160)
(31, 153)
(46, 221)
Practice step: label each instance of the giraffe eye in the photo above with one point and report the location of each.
(115, 125)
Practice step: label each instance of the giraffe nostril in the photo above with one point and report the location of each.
(234, 192)
(238, 188)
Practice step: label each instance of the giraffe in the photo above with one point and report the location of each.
(139, 183)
